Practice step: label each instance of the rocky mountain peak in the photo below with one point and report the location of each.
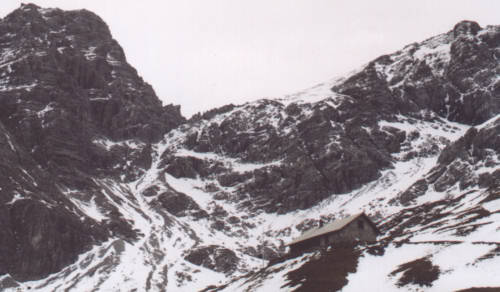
(452, 74)
(466, 27)
(74, 52)
(33, 21)
(72, 110)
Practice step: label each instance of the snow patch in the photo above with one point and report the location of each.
(90, 53)
(17, 197)
(45, 110)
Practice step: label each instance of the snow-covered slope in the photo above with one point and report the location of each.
(158, 257)
(441, 235)
(411, 139)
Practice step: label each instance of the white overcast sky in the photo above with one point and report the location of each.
(207, 53)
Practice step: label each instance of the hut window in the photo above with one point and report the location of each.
(361, 224)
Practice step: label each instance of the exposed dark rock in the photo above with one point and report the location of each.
(416, 190)
(151, 191)
(328, 272)
(474, 148)
(308, 172)
(233, 220)
(185, 167)
(466, 28)
(211, 188)
(218, 211)
(231, 179)
(481, 289)
(473, 145)
(8, 283)
(214, 257)
(419, 272)
(38, 235)
(67, 92)
(190, 167)
(212, 113)
(219, 225)
(221, 196)
(46, 239)
(312, 167)
(179, 204)
(486, 179)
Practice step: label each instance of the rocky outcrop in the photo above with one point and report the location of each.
(215, 258)
(451, 74)
(309, 151)
(471, 161)
(38, 234)
(69, 102)
(44, 239)
(418, 272)
(66, 82)
(312, 164)
(72, 64)
(179, 204)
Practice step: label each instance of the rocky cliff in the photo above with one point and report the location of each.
(65, 85)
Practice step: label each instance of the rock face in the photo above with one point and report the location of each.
(472, 161)
(97, 176)
(179, 204)
(39, 235)
(214, 257)
(452, 74)
(66, 92)
(307, 151)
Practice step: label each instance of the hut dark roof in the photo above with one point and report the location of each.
(335, 226)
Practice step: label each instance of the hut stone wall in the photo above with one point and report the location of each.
(357, 230)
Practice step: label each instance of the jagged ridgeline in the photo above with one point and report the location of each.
(103, 188)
